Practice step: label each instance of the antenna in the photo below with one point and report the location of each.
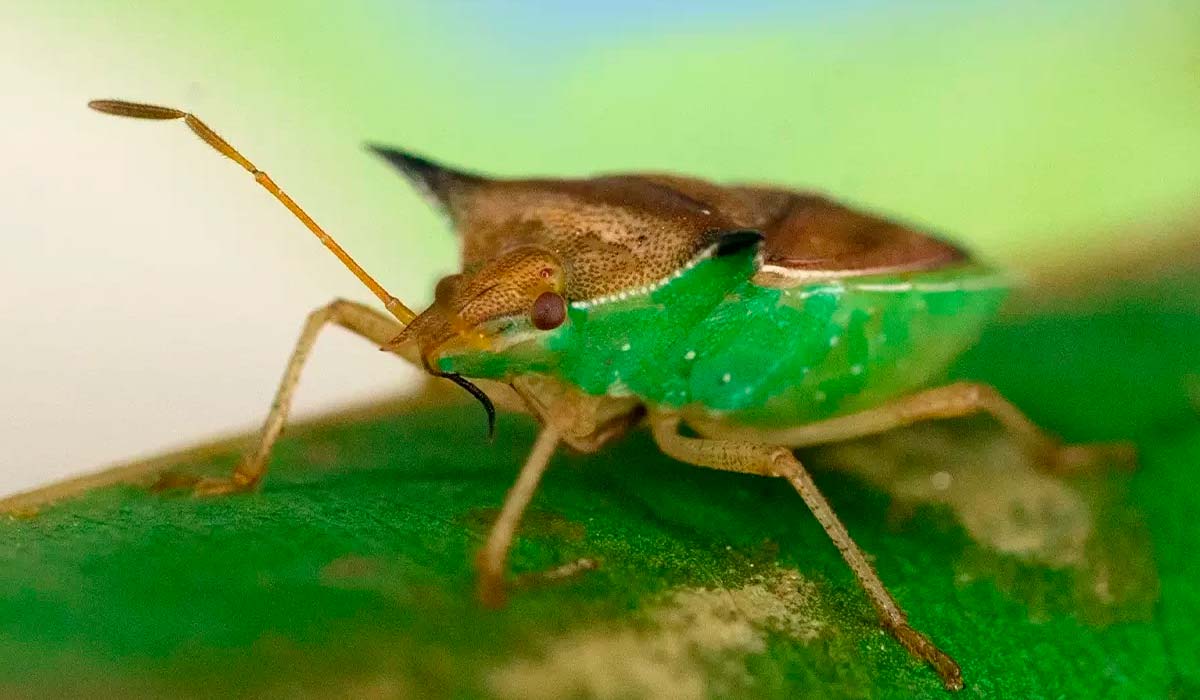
(402, 313)
(206, 134)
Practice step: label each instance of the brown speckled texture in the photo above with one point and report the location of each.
(619, 232)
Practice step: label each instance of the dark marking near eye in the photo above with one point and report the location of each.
(732, 242)
(444, 291)
(549, 311)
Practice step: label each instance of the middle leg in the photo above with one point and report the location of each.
(767, 460)
(493, 558)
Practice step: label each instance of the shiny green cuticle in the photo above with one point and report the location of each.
(713, 338)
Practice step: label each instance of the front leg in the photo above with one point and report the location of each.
(361, 320)
(767, 460)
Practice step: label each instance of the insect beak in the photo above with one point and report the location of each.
(429, 336)
(438, 332)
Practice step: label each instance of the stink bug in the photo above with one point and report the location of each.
(761, 318)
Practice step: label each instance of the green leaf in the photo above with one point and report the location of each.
(349, 574)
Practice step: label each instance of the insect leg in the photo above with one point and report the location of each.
(361, 320)
(492, 559)
(768, 460)
(951, 401)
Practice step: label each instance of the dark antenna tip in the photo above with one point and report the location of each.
(481, 397)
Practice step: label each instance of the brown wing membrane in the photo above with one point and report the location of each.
(810, 237)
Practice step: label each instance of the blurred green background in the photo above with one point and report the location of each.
(1005, 123)
(156, 293)
(151, 294)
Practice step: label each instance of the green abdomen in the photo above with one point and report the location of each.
(760, 355)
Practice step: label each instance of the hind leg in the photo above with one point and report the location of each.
(951, 401)
(768, 460)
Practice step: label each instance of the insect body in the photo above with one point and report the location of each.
(763, 319)
(713, 341)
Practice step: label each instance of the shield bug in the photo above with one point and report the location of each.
(761, 318)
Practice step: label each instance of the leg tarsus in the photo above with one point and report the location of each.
(563, 572)
(919, 646)
(236, 482)
(490, 589)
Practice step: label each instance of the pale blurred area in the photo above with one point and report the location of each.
(151, 292)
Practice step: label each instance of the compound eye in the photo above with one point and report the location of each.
(549, 311)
